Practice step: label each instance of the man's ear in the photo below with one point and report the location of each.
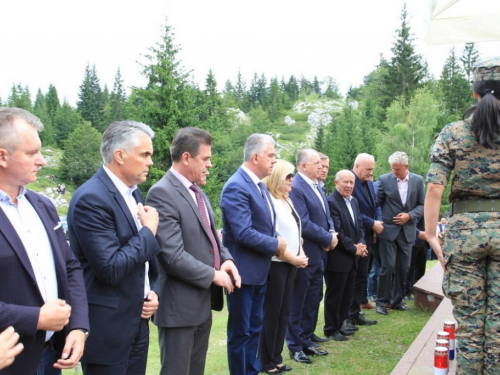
(3, 157)
(119, 156)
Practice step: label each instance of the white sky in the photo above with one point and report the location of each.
(51, 41)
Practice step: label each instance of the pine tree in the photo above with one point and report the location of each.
(167, 103)
(40, 110)
(90, 104)
(52, 102)
(20, 97)
(117, 100)
(407, 70)
(332, 89)
(316, 86)
(67, 119)
(454, 89)
(470, 56)
(240, 94)
(275, 106)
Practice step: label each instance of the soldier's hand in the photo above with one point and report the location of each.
(401, 218)
(148, 216)
(54, 315)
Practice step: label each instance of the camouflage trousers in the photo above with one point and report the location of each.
(472, 282)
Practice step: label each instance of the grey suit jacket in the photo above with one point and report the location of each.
(186, 260)
(391, 204)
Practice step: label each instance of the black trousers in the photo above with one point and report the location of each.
(277, 306)
(339, 288)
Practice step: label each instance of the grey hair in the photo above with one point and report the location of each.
(399, 157)
(303, 156)
(9, 139)
(363, 155)
(124, 135)
(342, 171)
(256, 144)
(323, 156)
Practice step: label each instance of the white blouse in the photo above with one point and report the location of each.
(287, 225)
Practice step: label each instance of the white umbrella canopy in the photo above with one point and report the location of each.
(464, 21)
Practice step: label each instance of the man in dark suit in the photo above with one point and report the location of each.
(342, 263)
(401, 196)
(319, 235)
(249, 232)
(113, 236)
(42, 294)
(194, 266)
(371, 215)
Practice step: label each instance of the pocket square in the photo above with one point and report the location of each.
(58, 226)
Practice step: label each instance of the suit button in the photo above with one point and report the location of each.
(211, 251)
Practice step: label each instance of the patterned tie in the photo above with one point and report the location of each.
(262, 191)
(203, 213)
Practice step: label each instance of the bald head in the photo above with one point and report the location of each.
(364, 166)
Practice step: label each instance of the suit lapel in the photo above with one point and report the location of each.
(15, 242)
(343, 206)
(256, 192)
(103, 176)
(189, 199)
(51, 233)
(310, 192)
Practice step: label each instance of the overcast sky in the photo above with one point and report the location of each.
(51, 41)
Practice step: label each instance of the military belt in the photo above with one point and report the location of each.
(475, 205)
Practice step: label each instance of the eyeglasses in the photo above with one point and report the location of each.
(290, 176)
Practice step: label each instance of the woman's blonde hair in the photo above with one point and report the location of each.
(276, 180)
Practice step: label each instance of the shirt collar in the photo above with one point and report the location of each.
(120, 185)
(252, 175)
(308, 180)
(182, 179)
(404, 179)
(348, 199)
(5, 198)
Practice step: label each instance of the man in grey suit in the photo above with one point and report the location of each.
(401, 196)
(194, 266)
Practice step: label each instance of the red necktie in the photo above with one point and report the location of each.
(203, 213)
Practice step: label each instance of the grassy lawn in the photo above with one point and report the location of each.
(373, 350)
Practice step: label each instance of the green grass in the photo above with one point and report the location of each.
(372, 351)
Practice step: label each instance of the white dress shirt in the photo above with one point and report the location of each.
(127, 194)
(33, 234)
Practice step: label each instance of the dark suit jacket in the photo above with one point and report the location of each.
(20, 298)
(369, 207)
(343, 257)
(390, 201)
(104, 237)
(248, 230)
(186, 258)
(316, 223)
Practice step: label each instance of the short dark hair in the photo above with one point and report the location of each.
(189, 140)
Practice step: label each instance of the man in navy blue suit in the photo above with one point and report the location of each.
(249, 232)
(113, 236)
(42, 293)
(371, 214)
(319, 235)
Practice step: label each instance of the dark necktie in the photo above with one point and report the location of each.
(262, 191)
(203, 213)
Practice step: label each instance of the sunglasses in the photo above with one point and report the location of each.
(289, 176)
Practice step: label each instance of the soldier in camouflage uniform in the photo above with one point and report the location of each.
(471, 258)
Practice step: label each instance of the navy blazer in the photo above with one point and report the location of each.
(20, 298)
(369, 207)
(316, 222)
(104, 237)
(391, 204)
(248, 229)
(343, 257)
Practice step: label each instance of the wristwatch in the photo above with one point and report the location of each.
(84, 331)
